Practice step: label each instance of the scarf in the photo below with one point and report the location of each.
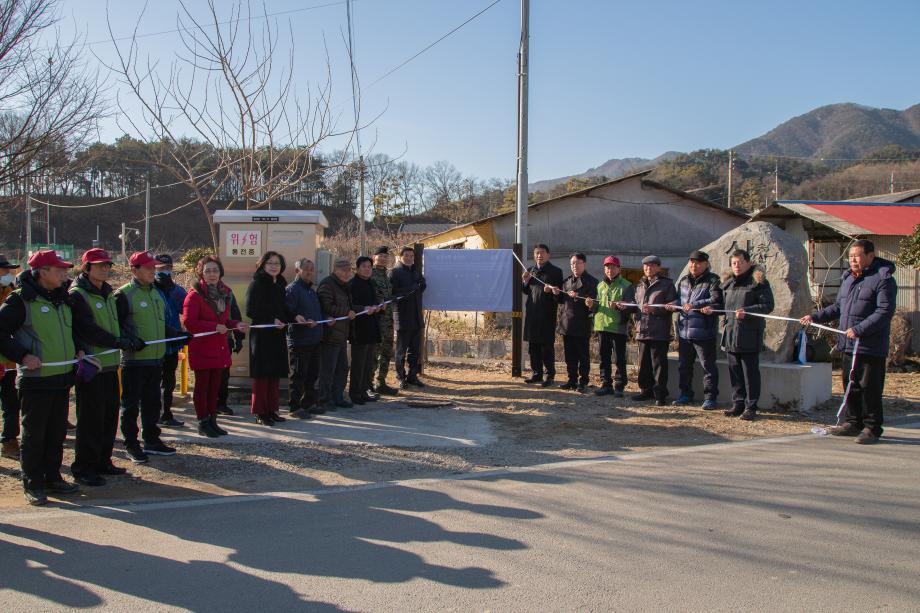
(215, 297)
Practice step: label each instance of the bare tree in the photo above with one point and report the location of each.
(226, 87)
(443, 180)
(50, 102)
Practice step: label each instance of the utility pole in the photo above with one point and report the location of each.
(776, 182)
(891, 184)
(47, 224)
(362, 233)
(28, 224)
(124, 254)
(731, 166)
(521, 229)
(147, 216)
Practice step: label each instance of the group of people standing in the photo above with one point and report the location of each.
(57, 334)
(580, 305)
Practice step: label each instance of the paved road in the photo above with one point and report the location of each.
(801, 523)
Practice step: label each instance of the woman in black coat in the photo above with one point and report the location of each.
(365, 331)
(268, 359)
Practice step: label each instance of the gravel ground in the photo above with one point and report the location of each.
(533, 426)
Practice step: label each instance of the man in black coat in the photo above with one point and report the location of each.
(653, 330)
(746, 291)
(575, 323)
(408, 318)
(335, 300)
(865, 305)
(540, 310)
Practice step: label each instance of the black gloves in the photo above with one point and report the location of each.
(124, 343)
(137, 344)
(236, 341)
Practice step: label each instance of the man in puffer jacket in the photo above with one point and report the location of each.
(699, 292)
(865, 305)
(745, 291)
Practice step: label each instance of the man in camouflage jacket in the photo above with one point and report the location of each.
(384, 290)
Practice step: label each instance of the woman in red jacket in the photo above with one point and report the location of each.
(207, 309)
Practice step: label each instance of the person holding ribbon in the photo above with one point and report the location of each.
(381, 280)
(575, 322)
(365, 331)
(142, 315)
(745, 292)
(268, 357)
(303, 341)
(37, 332)
(865, 305)
(654, 294)
(95, 314)
(174, 299)
(9, 399)
(541, 309)
(408, 317)
(335, 300)
(610, 323)
(207, 310)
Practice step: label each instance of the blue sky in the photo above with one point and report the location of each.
(608, 79)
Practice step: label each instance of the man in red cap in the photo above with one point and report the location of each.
(95, 315)
(36, 330)
(9, 400)
(610, 324)
(142, 315)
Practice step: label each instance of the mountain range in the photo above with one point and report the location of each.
(846, 130)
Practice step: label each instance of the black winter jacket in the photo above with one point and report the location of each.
(703, 291)
(654, 326)
(265, 302)
(365, 329)
(751, 292)
(408, 314)
(541, 308)
(335, 300)
(575, 319)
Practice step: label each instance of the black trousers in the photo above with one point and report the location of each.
(408, 349)
(542, 359)
(97, 423)
(44, 427)
(864, 402)
(362, 368)
(168, 383)
(303, 363)
(9, 401)
(140, 389)
(704, 351)
(333, 372)
(223, 393)
(653, 368)
(744, 371)
(613, 345)
(577, 357)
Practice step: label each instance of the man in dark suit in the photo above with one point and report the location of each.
(408, 317)
(540, 309)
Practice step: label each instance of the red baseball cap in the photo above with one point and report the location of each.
(142, 258)
(612, 260)
(96, 256)
(47, 257)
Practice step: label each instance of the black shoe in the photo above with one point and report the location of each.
(734, 411)
(749, 414)
(568, 385)
(845, 430)
(59, 486)
(403, 385)
(534, 379)
(158, 448)
(205, 428)
(547, 382)
(217, 428)
(328, 407)
(171, 422)
(661, 402)
(224, 410)
(643, 396)
(302, 414)
(265, 420)
(358, 400)
(866, 437)
(371, 396)
(386, 390)
(344, 404)
(415, 381)
(617, 393)
(36, 497)
(603, 391)
(318, 409)
(89, 479)
(582, 389)
(111, 469)
(277, 418)
(136, 454)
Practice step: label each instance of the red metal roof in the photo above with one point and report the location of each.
(877, 218)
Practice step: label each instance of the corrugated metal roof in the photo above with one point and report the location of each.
(895, 197)
(859, 219)
(424, 227)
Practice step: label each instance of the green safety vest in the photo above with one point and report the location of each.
(148, 311)
(47, 333)
(105, 314)
(610, 319)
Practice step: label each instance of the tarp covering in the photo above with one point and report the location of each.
(468, 279)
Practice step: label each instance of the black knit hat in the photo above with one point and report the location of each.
(4, 263)
(382, 249)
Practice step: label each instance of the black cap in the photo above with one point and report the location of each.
(164, 259)
(699, 256)
(651, 259)
(4, 263)
(382, 249)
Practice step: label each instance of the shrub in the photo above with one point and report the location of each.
(190, 258)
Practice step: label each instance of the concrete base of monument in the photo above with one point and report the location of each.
(784, 387)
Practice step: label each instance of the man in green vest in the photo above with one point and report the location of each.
(610, 325)
(142, 315)
(95, 314)
(36, 331)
